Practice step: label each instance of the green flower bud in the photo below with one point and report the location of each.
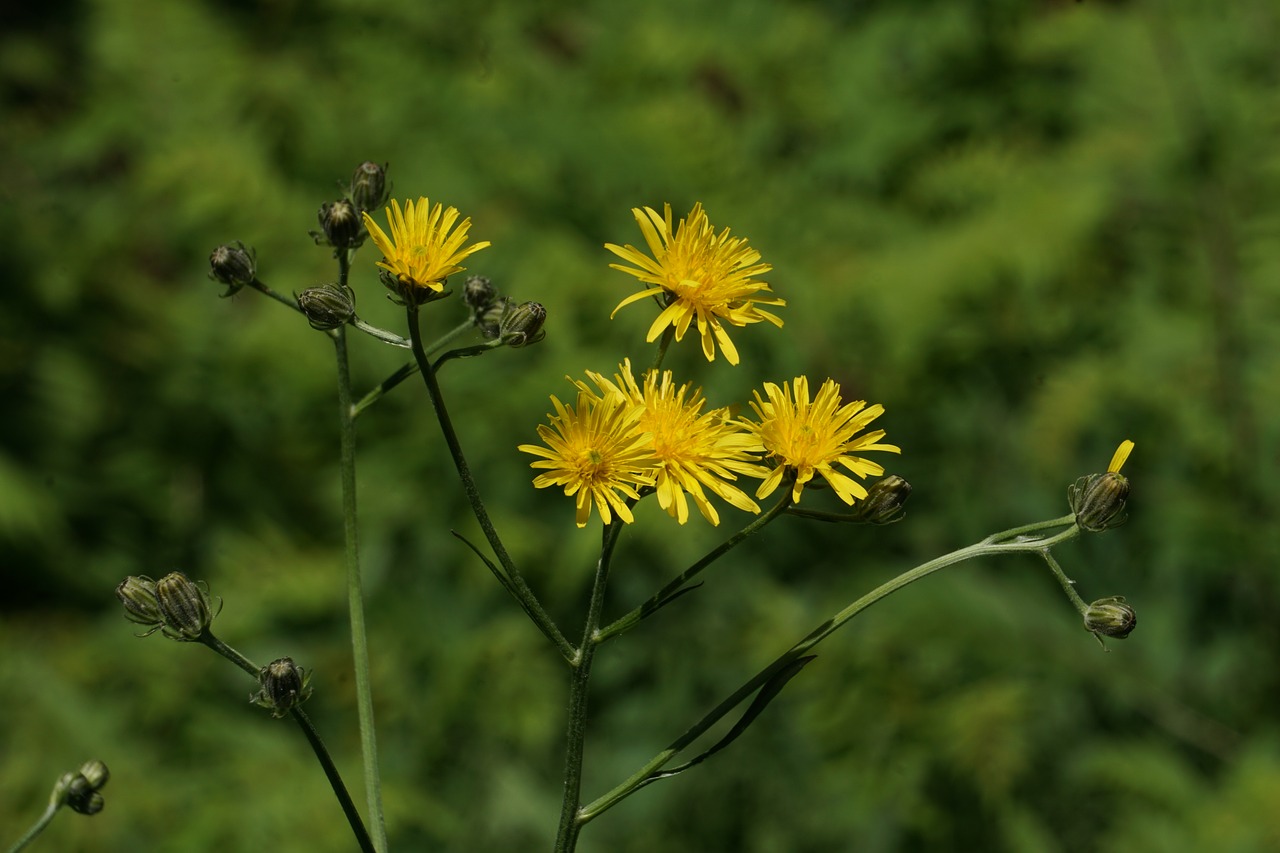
(95, 773)
(138, 595)
(184, 604)
(489, 321)
(884, 501)
(478, 293)
(1111, 617)
(369, 188)
(79, 791)
(283, 686)
(234, 266)
(522, 325)
(341, 223)
(328, 306)
(89, 803)
(1098, 500)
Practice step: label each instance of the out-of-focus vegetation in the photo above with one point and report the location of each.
(1030, 229)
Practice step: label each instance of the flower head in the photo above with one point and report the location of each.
(699, 276)
(807, 437)
(596, 453)
(424, 247)
(693, 449)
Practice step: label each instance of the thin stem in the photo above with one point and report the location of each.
(1068, 585)
(663, 344)
(55, 803)
(408, 369)
(664, 595)
(820, 633)
(367, 844)
(402, 373)
(519, 587)
(355, 588)
(278, 297)
(570, 825)
(313, 738)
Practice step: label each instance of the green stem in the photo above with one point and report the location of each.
(1068, 585)
(355, 590)
(663, 344)
(313, 738)
(993, 545)
(278, 297)
(664, 595)
(519, 588)
(55, 803)
(570, 825)
(408, 369)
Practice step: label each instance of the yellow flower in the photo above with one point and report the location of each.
(596, 454)
(421, 250)
(811, 437)
(693, 449)
(699, 276)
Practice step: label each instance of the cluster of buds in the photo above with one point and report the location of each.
(80, 790)
(282, 686)
(175, 605)
(499, 318)
(233, 265)
(341, 223)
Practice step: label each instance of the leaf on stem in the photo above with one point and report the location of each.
(767, 694)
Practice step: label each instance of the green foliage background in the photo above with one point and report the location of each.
(1030, 229)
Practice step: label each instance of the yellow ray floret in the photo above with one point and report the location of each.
(806, 437)
(701, 278)
(694, 451)
(426, 245)
(594, 451)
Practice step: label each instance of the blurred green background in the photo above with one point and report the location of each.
(1030, 229)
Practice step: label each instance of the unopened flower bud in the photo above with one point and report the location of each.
(234, 266)
(1111, 617)
(79, 791)
(1098, 500)
(88, 803)
(885, 500)
(184, 605)
(341, 224)
(478, 293)
(368, 188)
(283, 686)
(138, 595)
(522, 325)
(95, 773)
(328, 306)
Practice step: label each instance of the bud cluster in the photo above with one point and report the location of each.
(80, 790)
(175, 605)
